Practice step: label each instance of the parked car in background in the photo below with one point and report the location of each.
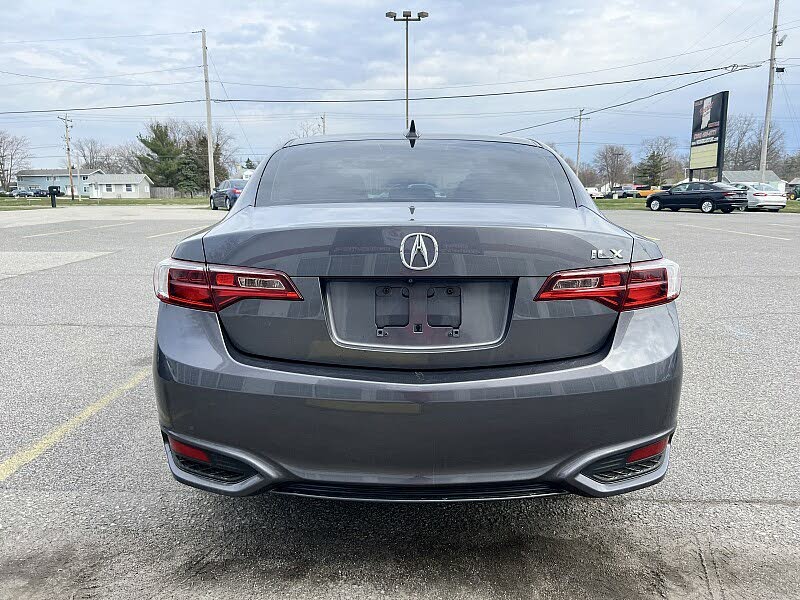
(762, 195)
(227, 193)
(614, 191)
(41, 193)
(701, 195)
(21, 194)
(628, 190)
(643, 191)
(594, 192)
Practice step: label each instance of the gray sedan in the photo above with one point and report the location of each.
(450, 319)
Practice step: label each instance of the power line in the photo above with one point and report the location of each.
(98, 37)
(597, 110)
(728, 68)
(91, 81)
(113, 107)
(479, 95)
(233, 110)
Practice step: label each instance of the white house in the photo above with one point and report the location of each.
(41, 179)
(126, 185)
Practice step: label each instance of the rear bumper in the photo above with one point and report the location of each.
(449, 435)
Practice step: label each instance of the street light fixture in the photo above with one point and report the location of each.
(406, 18)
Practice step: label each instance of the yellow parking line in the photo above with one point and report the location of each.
(11, 465)
(150, 237)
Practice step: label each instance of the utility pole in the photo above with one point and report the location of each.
(323, 123)
(578, 153)
(770, 85)
(67, 127)
(209, 129)
(406, 18)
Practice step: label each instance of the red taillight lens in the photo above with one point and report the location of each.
(213, 287)
(607, 285)
(236, 191)
(759, 194)
(621, 288)
(188, 451)
(648, 451)
(229, 285)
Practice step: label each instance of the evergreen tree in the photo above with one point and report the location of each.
(249, 164)
(160, 162)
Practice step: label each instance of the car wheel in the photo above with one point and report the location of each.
(655, 205)
(228, 203)
(213, 204)
(707, 206)
(742, 208)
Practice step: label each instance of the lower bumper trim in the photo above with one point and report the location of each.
(427, 493)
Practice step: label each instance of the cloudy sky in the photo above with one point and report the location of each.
(320, 49)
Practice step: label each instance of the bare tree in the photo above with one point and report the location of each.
(613, 162)
(91, 153)
(743, 144)
(14, 155)
(307, 129)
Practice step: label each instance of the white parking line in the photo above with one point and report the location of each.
(74, 230)
(150, 237)
(772, 237)
(784, 225)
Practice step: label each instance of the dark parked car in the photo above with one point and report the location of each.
(452, 320)
(40, 193)
(227, 193)
(701, 195)
(21, 194)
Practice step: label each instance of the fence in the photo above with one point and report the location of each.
(170, 192)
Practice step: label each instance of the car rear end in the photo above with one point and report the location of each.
(451, 320)
(761, 195)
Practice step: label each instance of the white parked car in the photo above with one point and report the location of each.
(594, 192)
(763, 195)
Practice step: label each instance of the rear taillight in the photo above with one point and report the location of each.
(731, 194)
(236, 191)
(759, 194)
(619, 287)
(213, 287)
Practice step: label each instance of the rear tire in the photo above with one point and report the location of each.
(227, 203)
(212, 203)
(707, 206)
(655, 205)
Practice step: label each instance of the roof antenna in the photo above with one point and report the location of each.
(412, 136)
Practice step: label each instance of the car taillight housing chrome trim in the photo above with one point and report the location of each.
(623, 287)
(213, 287)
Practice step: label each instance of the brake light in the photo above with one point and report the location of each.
(729, 194)
(759, 194)
(236, 191)
(213, 287)
(619, 287)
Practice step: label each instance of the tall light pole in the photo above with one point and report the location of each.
(770, 85)
(406, 18)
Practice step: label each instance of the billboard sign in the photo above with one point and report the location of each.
(708, 131)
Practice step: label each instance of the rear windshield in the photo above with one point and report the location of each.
(432, 171)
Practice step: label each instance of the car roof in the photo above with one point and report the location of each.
(362, 137)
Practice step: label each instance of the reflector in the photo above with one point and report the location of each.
(648, 451)
(188, 451)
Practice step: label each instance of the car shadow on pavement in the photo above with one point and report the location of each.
(562, 546)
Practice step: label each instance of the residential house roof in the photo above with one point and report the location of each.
(120, 178)
(751, 175)
(53, 172)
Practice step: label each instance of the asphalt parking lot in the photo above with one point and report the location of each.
(88, 508)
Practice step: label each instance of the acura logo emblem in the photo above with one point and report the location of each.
(419, 251)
